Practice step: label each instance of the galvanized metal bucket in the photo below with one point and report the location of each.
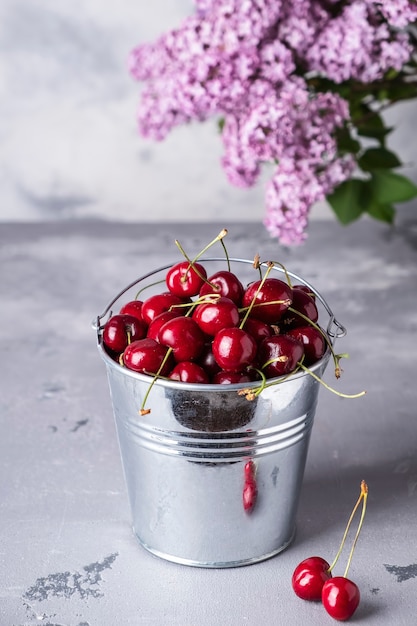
(185, 463)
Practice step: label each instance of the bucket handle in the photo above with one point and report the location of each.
(96, 323)
(335, 329)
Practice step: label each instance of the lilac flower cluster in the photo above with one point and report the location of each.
(250, 62)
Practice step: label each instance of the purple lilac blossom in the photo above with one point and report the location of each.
(369, 47)
(248, 62)
(398, 13)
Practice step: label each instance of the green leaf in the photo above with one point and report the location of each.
(373, 127)
(378, 158)
(391, 74)
(382, 212)
(349, 200)
(365, 130)
(346, 143)
(389, 188)
(404, 91)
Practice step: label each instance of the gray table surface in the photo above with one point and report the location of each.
(67, 552)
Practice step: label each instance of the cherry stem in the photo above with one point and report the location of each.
(279, 359)
(210, 298)
(158, 282)
(269, 302)
(252, 393)
(336, 357)
(363, 495)
(226, 254)
(287, 276)
(338, 393)
(143, 410)
(219, 237)
(250, 307)
(257, 264)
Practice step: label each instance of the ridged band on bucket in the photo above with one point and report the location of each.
(220, 447)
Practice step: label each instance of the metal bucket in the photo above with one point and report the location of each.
(185, 464)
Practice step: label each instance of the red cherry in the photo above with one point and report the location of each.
(225, 284)
(271, 299)
(258, 329)
(159, 320)
(305, 289)
(189, 372)
(184, 336)
(303, 303)
(340, 597)
(309, 577)
(120, 330)
(134, 307)
(279, 355)
(312, 340)
(234, 349)
(207, 360)
(213, 316)
(146, 356)
(230, 378)
(184, 279)
(160, 302)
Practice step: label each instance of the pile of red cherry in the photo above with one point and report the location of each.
(312, 578)
(212, 329)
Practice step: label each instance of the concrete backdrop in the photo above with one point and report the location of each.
(68, 141)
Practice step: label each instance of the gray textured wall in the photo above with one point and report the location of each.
(68, 141)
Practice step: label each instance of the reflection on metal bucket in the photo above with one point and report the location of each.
(184, 463)
(210, 413)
